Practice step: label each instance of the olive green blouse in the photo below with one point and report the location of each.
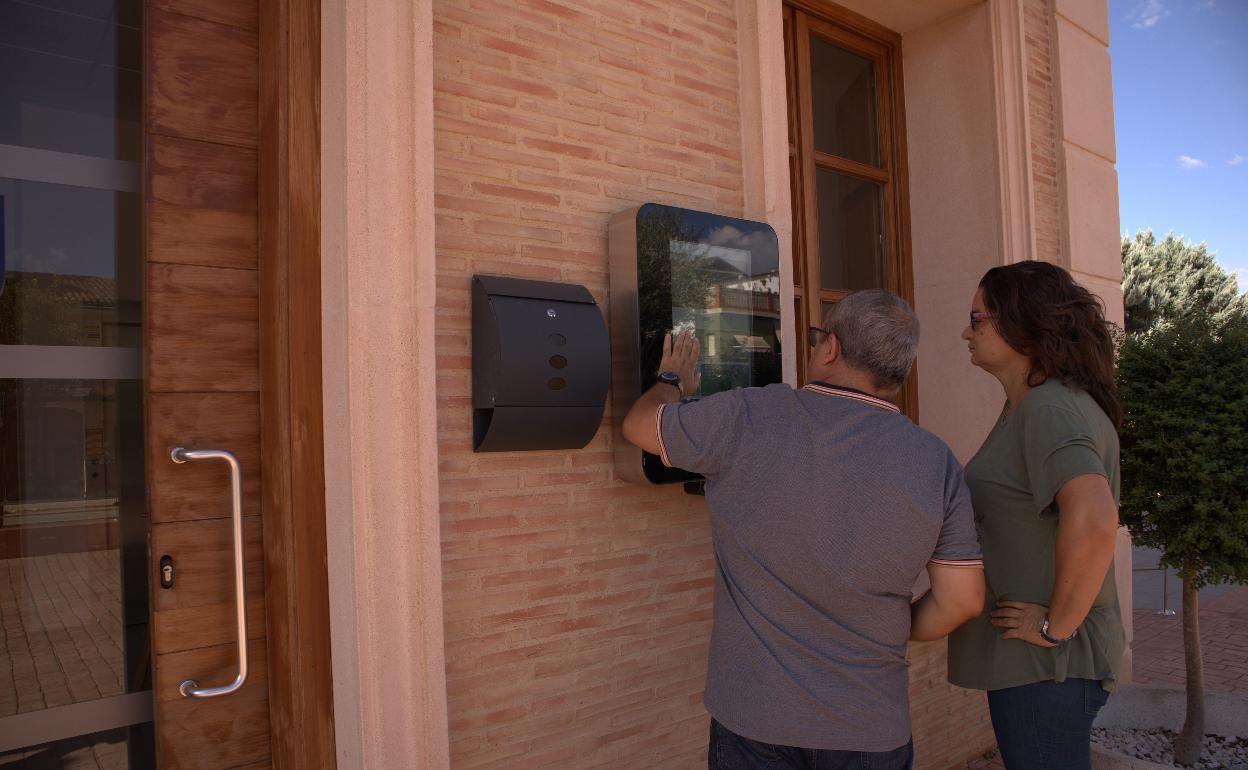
(1055, 434)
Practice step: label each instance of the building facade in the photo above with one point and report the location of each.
(319, 181)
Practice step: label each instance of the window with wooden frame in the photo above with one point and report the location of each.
(846, 162)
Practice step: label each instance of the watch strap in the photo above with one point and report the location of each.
(673, 379)
(1044, 632)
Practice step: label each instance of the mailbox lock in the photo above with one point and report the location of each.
(550, 311)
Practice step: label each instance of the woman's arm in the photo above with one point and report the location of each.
(1087, 528)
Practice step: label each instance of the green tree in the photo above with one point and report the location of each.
(1173, 278)
(1184, 388)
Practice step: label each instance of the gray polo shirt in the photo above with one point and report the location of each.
(826, 504)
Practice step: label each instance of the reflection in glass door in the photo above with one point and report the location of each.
(75, 670)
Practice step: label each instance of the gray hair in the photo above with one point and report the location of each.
(879, 334)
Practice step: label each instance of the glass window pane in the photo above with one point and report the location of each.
(851, 233)
(71, 266)
(73, 517)
(842, 100)
(73, 528)
(73, 532)
(72, 79)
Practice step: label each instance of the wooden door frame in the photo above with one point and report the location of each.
(291, 416)
(872, 40)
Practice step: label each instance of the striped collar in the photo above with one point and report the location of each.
(824, 389)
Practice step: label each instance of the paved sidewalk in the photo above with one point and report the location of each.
(1158, 645)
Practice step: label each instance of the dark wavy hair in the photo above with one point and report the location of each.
(1042, 313)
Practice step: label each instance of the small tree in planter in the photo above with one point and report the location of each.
(1184, 387)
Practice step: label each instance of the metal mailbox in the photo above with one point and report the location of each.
(540, 365)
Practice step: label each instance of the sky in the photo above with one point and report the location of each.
(1180, 70)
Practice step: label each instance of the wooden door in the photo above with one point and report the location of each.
(202, 374)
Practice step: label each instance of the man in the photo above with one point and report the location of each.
(826, 504)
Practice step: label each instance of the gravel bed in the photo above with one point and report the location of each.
(1157, 745)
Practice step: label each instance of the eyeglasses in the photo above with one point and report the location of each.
(814, 334)
(977, 317)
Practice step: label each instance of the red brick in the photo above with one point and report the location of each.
(544, 55)
(510, 83)
(456, 203)
(563, 12)
(515, 193)
(631, 64)
(527, 612)
(471, 91)
(510, 230)
(513, 119)
(562, 148)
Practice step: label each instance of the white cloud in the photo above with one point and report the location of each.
(1147, 14)
(1238, 159)
(1187, 161)
(758, 246)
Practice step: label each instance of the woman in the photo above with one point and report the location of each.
(1045, 487)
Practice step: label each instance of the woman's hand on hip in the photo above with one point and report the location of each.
(1021, 620)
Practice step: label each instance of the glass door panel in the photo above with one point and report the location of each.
(843, 97)
(75, 668)
(851, 231)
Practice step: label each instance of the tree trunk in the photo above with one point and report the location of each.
(1187, 744)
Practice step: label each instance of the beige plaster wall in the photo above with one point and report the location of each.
(380, 437)
(765, 144)
(955, 215)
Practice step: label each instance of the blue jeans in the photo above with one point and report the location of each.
(729, 751)
(1046, 725)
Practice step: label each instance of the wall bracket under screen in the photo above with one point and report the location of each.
(677, 269)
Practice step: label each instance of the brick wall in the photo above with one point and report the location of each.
(578, 607)
(950, 724)
(1042, 122)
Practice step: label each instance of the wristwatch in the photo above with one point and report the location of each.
(673, 379)
(1044, 632)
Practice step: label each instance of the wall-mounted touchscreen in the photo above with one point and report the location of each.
(674, 269)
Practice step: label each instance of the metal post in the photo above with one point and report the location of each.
(1165, 592)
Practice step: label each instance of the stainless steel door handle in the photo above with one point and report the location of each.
(189, 688)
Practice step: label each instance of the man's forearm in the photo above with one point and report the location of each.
(957, 595)
(930, 621)
(680, 356)
(640, 424)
